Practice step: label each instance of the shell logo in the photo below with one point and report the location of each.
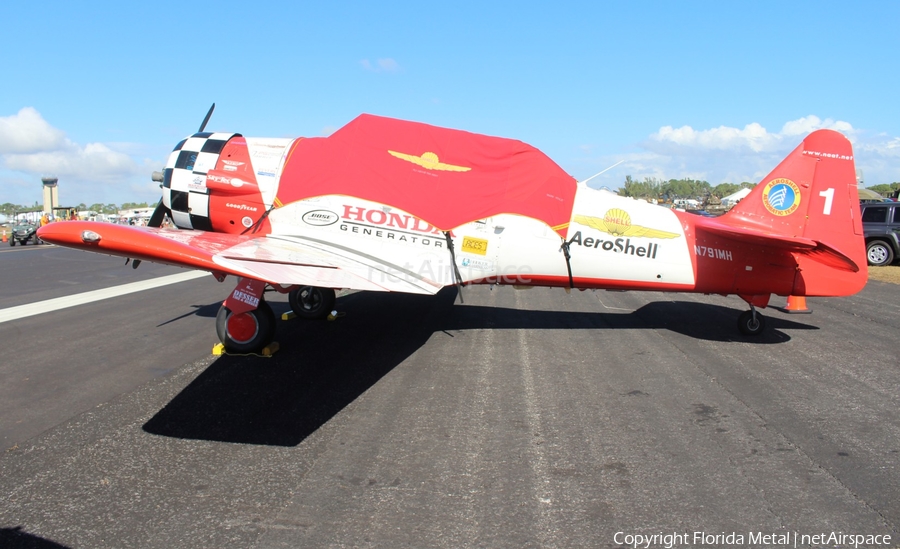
(617, 222)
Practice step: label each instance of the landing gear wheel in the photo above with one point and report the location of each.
(246, 332)
(748, 325)
(311, 301)
(879, 253)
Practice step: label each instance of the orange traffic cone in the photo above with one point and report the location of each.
(5, 238)
(796, 305)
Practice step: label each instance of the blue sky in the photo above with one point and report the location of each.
(98, 93)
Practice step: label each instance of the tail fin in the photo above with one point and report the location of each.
(812, 195)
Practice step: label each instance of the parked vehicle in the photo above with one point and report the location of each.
(22, 233)
(881, 227)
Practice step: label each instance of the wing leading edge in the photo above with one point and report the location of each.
(277, 261)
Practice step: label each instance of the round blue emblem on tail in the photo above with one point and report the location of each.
(781, 196)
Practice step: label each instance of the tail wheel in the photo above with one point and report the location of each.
(879, 253)
(246, 332)
(311, 301)
(751, 323)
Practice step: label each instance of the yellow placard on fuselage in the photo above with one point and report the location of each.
(474, 245)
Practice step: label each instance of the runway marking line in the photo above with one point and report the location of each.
(50, 305)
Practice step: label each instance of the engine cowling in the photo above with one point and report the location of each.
(223, 182)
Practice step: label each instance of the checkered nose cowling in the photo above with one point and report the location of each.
(185, 193)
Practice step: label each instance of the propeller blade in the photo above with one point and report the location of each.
(205, 120)
(156, 218)
(159, 213)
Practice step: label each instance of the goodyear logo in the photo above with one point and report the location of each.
(781, 196)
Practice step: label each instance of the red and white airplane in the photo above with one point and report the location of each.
(391, 205)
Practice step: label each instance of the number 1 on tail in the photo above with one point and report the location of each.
(828, 195)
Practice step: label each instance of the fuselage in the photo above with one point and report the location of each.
(380, 204)
(613, 242)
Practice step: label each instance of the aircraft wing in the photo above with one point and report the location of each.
(275, 260)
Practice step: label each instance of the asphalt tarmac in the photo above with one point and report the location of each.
(515, 419)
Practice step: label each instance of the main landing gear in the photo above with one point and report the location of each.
(246, 332)
(245, 323)
(311, 301)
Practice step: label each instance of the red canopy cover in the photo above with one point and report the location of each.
(442, 176)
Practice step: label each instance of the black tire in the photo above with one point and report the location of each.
(267, 309)
(879, 253)
(12, 241)
(311, 301)
(258, 327)
(748, 326)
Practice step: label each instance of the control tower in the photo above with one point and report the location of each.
(51, 194)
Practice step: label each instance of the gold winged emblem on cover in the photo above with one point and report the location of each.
(429, 161)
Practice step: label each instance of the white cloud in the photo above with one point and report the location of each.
(753, 137)
(807, 124)
(885, 148)
(729, 154)
(28, 132)
(94, 161)
(381, 65)
(31, 148)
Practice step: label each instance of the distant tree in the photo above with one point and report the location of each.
(686, 188)
(134, 205)
(677, 188)
(648, 188)
(883, 189)
(724, 189)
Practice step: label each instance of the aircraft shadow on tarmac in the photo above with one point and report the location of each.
(209, 311)
(16, 538)
(324, 366)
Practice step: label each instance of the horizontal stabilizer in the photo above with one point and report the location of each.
(815, 250)
(759, 236)
(830, 257)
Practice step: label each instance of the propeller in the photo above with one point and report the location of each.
(205, 120)
(159, 213)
